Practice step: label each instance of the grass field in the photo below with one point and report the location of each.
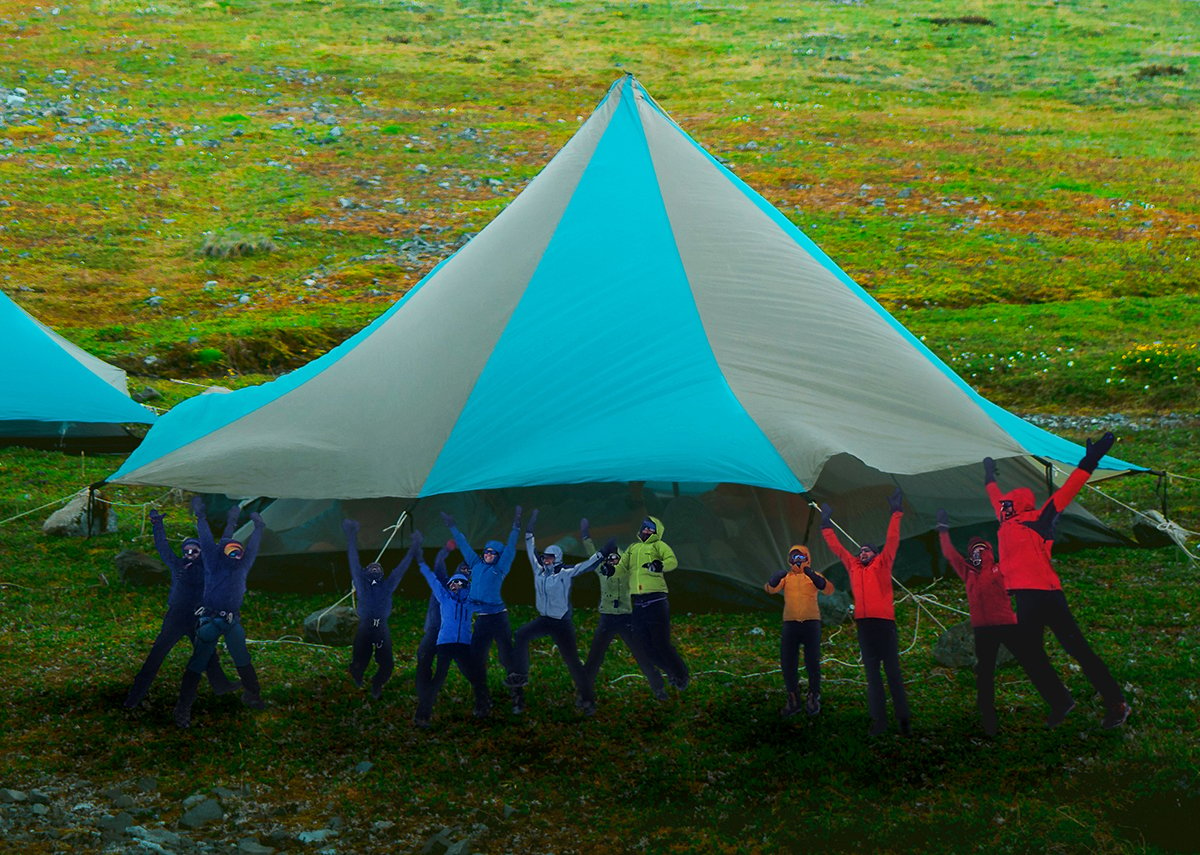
(222, 190)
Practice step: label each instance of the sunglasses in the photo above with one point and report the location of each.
(490, 552)
(799, 558)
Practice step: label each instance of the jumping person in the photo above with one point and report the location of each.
(870, 574)
(226, 565)
(187, 590)
(800, 585)
(427, 648)
(994, 623)
(453, 645)
(374, 592)
(552, 597)
(488, 571)
(646, 561)
(616, 618)
(1026, 538)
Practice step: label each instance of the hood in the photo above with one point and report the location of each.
(1022, 499)
(989, 554)
(494, 544)
(658, 535)
(798, 547)
(556, 553)
(462, 593)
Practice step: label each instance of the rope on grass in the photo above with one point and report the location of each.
(61, 501)
(290, 639)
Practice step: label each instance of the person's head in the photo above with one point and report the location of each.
(799, 557)
(1016, 502)
(374, 572)
(491, 551)
(234, 549)
(867, 553)
(458, 586)
(464, 569)
(552, 558)
(648, 529)
(190, 549)
(978, 550)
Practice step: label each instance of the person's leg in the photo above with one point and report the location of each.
(217, 678)
(207, 634)
(664, 650)
(428, 695)
(519, 675)
(987, 644)
(562, 632)
(481, 643)
(789, 665)
(606, 628)
(1070, 636)
(385, 661)
(235, 643)
(870, 648)
(1030, 650)
(811, 639)
(895, 680)
(176, 624)
(360, 652)
(477, 679)
(426, 654)
(654, 678)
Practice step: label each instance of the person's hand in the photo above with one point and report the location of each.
(197, 506)
(1096, 450)
(989, 470)
(654, 566)
(585, 529)
(819, 582)
(896, 501)
(943, 520)
(450, 545)
(517, 518)
(529, 526)
(777, 578)
(826, 515)
(155, 516)
(417, 539)
(350, 526)
(256, 518)
(447, 519)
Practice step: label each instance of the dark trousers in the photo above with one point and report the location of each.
(208, 632)
(1037, 610)
(426, 655)
(489, 628)
(178, 623)
(618, 625)
(372, 640)
(652, 628)
(562, 632)
(794, 634)
(1030, 656)
(461, 655)
(878, 644)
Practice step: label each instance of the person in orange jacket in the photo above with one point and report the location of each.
(993, 623)
(799, 584)
(1026, 538)
(870, 574)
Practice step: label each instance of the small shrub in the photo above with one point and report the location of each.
(209, 355)
(1148, 71)
(235, 245)
(969, 20)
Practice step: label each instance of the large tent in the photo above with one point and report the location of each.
(56, 395)
(637, 331)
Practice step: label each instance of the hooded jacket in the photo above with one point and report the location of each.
(641, 579)
(374, 600)
(614, 589)
(187, 577)
(552, 587)
(486, 579)
(457, 609)
(987, 598)
(799, 593)
(1024, 551)
(871, 584)
(225, 577)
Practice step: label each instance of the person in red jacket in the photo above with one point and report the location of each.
(1026, 538)
(994, 623)
(870, 574)
(800, 584)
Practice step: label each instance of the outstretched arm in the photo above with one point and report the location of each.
(203, 533)
(439, 562)
(414, 549)
(464, 545)
(254, 541)
(231, 521)
(504, 562)
(350, 528)
(160, 538)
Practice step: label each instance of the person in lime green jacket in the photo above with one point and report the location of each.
(647, 561)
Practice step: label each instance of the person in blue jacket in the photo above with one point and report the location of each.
(552, 596)
(427, 648)
(488, 571)
(226, 565)
(374, 593)
(453, 645)
(187, 589)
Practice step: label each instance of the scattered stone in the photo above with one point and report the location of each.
(122, 801)
(335, 626)
(193, 800)
(206, 811)
(117, 823)
(40, 809)
(147, 784)
(318, 836)
(251, 846)
(364, 767)
(12, 796)
(439, 844)
(37, 797)
(155, 835)
(224, 793)
(146, 394)
(382, 824)
(76, 519)
(138, 568)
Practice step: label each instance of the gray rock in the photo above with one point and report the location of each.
(76, 520)
(364, 767)
(439, 844)
(835, 608)
(193, 800)
(335, 626)
(40, 810)
(146, 394)
(37, 797)
(117, 823)
(318, 836)
(155, 835)
(225, 794)
(12, 796)
(146, 783)
(122, 801)
(205, 812)
(250, 846)
(955, 648)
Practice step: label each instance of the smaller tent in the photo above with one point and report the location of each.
(55, 395)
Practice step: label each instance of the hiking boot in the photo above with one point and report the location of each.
(792, 706)
(1058, 715)
(989, 722)
(251, 692)
(588, 708)
(516, 681)
(1116, 716)
(482, 711)
(518, 701)
(660, 694)
(905, 727)
(812, 704)
(422, 721)
(187, 696)
(878, 727)
(356, 676)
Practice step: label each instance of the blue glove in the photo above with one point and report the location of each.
(777, 578)
(350, 526)
(826, 516)
(943, 520)
(417, 540)
(517, 518)
(989, 470)
(529, 525)
(585, 530)
(896, 501)
(155, 516)
(447, 519)
(1095, 451)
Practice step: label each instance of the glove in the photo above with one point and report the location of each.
(819, 581)
(654, 566)
(447, 519)
(529, 525)
(517, 518)
(1095, 451)
(610, 546)
(826, 516)
(350, 526)
(417, 540)
(777, 578)
(585, 530)
(450, 546)
(155, 516)
(197, 506)
(256, 518)
(943, 520)
(989, 470)
(896, 501)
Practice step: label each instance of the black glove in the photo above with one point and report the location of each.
(1095, 451)
(350, 526)
(1046, 522)
(943, 520)
(585, 530)
(777, 578)
(819, 581)
(517, 518)
(654, 566)
(610, 546)
(826, 516)
(529, 526)
(197, 506)
(155, 516)
(447, 519)
(896, 501)
(989, 470)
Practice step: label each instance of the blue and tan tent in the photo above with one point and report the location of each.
(56, 395)
(637, 329)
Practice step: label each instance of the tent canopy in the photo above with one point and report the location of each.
(636, 315)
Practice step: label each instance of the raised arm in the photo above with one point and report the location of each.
(831, 538)
(254, 540)
(160, 538)
(464, 545)
(585, 566)
(438, 589)
(231, 521)
(208, 546)
(504, 562)
(414, 549)
(439, 562)
(530, 544)
(891, 543)
(350, 529)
